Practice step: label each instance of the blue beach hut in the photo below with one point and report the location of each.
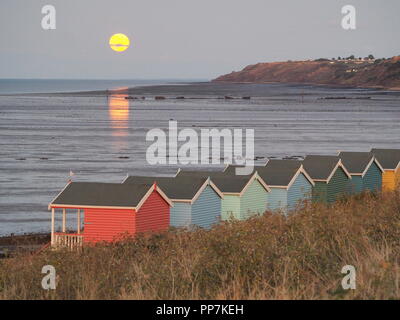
(196, 200)
(244, 196)
(289, 182)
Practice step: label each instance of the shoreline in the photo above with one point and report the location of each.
(99, 92)
(367, 73)
(341, 86)
(24, 239)
(129, 90)
(11, 245)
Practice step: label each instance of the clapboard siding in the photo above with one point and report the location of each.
(153, 215)
(397, 179)
(372, 180)
(320, 191)
(388, 180)
(206, 210)
(277, 199)
(230, 207)
(253, 201)
(299, 191)
(107, 224)
(337, 186)
(356, 185)
(181, 214)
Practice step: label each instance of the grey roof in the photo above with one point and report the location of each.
(231, 169)
(184, 188)
(275, 172)
(388, 158)
(230, 184)
(224, 182)
(198, 173)
(279, 172)
(102, 194)
(320, 167)
(284, 164)
(356, 162)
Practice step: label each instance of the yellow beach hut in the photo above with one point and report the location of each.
(390, 161)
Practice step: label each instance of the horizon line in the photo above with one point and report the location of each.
(107, 79)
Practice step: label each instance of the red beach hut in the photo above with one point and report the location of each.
(110, 211)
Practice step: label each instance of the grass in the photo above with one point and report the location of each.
(268, 257)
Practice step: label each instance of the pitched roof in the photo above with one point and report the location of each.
(231, 184)
(320, 167)
(275, 172)
(356, 162)
(198, 173)
(102, 194)
(388, 158)
(231, 169)
(183, 188)
(284, 164)
(224, 182)
(279, 172)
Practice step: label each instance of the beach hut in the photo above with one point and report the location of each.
(197, 201)
(330, 176)
(365, 171)
(390, 161)
(290, 184)
(244, 196)
(111, 211)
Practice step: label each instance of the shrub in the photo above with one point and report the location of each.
(269, 257)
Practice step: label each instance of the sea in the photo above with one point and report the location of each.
(53, 131)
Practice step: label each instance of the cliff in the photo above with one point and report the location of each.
(358, 73)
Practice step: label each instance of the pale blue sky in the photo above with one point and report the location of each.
(185, 38)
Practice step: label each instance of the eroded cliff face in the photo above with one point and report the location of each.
(371, 73)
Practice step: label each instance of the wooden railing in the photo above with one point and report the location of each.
(70, 241)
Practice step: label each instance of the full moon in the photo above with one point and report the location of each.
(119, 42)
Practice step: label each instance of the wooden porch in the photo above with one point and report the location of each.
(69, 241)
(66, 239)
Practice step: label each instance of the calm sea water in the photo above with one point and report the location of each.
(101, 137)
(15, 86)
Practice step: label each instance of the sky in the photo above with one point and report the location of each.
(185, 39)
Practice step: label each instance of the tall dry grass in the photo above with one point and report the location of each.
(268, 257)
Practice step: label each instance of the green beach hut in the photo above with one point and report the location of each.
(289, 182)
(331, 178)
(365, 170)
(243, 196)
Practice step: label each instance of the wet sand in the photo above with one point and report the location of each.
(100, 136)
